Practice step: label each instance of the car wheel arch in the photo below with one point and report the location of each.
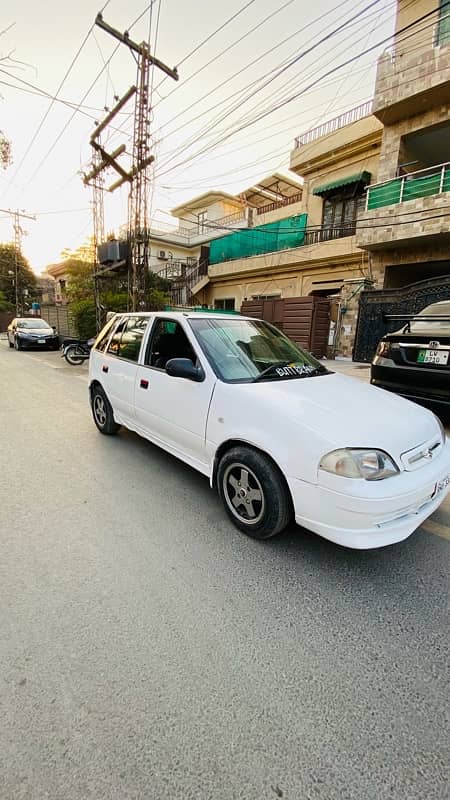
(94, 385)
(227, 445)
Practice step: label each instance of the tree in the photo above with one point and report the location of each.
(85, 252)
(27, 278)
(80, 285)
(4, 305)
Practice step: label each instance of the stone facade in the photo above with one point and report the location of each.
(392, 136)
(348, 317)
(415, 220)
(412, 82)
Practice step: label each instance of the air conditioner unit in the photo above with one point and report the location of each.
(162, 255)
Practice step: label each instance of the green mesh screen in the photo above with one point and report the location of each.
(279, 235)
(423, 186)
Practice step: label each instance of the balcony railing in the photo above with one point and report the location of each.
(353, 115)
(423, 183)
(209, 229)
(328, 234)
(286, 201)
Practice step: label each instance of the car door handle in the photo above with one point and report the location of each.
(105, 368)
(144, 383)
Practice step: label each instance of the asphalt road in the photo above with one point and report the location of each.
(149, 650)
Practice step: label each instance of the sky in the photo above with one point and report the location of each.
(229, 121)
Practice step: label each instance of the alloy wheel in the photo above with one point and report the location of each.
(99, 410)
(243, 493)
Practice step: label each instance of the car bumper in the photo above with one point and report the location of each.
(362, 522)
(32, 344)
(415, 383)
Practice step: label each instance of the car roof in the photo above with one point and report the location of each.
(181, 314)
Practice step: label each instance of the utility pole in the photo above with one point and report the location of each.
(138, 176)
(18, 233)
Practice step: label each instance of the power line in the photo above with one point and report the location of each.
(228, 48)
(38, 92)
(52, 102)
(239, 104)
(314, 83)
(88, 91)
(209, 37)
(302, 29)
(281, 71)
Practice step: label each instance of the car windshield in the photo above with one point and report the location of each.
(243, 350)
(435, 310)
(33, 323)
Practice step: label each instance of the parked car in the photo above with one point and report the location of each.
(32, 332)
(415, 360)
(278, 434)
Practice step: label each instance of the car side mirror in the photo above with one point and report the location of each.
(184, 368)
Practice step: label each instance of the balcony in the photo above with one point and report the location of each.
(411, 209)
(353, 134)
(424, 183)
(196, 235)
(319, 235)
(287, 201)
(347, 118)
(412, 82)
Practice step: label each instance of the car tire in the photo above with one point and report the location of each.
(254, 492)
(103, 413)
(17, 344)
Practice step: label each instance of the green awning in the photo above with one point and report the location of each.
(360, 177)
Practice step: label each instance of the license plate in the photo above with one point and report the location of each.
(441, 486)
(432, 357)
(41, 341)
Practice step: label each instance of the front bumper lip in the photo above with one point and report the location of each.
(363, 522)
(49, 341)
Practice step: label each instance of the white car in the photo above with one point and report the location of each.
(278, 434)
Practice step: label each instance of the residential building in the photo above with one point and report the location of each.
(58, 272)
(335, 162)
(405, 229)
(46, 287)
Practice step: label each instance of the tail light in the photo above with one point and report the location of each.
(384, 349)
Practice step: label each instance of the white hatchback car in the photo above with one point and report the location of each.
(278, 434)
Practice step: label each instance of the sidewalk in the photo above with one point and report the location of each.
(348, 367)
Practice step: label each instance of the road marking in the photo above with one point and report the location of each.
(430, 526)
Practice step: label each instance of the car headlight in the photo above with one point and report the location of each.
(383, 349)
(442, 429)
(372, 465)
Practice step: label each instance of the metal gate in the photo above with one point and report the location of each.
(60, 317)
(373, 304)
(306, 320)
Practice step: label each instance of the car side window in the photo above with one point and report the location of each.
(132, 335)
(168, 341)
(114, 345)
(103, 337)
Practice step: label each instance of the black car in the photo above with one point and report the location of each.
(32, 332)
(415, 360)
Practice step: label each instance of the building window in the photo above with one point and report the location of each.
(227, 304)
(202, 220)
(443, 28)
(340, 211)
(266, 296)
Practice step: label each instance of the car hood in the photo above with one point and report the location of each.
(36, 332)
(348, 413)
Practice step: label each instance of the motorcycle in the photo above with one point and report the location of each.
(76, 351)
